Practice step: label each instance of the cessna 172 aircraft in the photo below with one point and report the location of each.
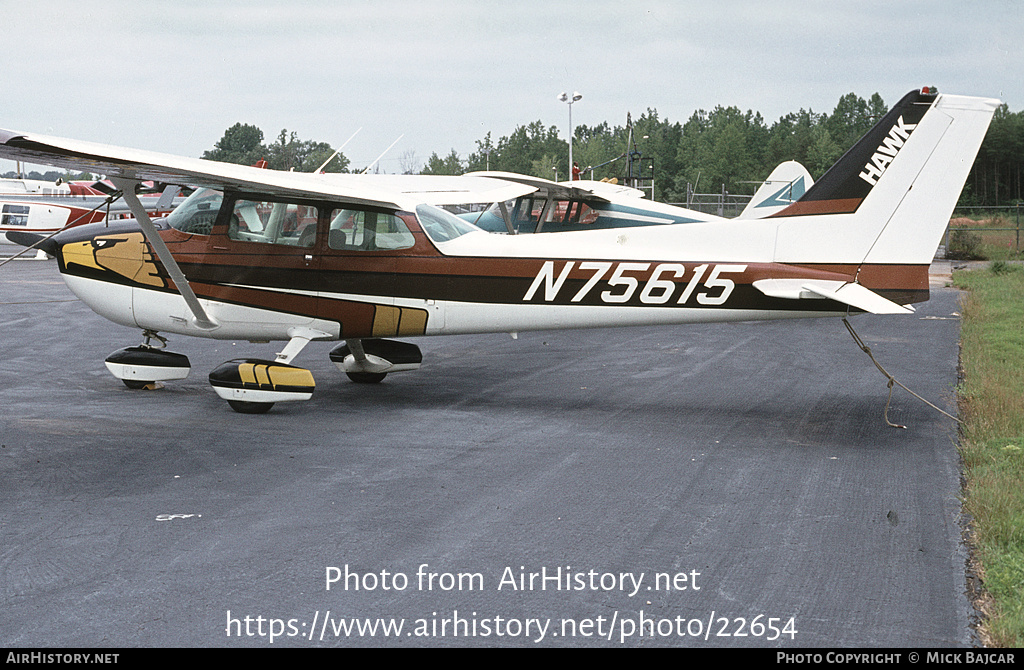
(264, 255)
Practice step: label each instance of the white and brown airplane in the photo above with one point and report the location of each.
(264, 255)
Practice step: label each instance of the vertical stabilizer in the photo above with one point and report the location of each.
(785, 185)
(889, 198)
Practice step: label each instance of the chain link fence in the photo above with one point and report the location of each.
(983, 233)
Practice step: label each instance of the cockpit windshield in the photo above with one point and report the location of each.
(197, 214)
(442, 226)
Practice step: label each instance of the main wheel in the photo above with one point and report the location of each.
(246, 407)
(135, 383)
(367, 377)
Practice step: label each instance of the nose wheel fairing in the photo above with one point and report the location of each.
(139, 366)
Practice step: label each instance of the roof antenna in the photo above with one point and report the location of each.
(382, 155)
(321, 168)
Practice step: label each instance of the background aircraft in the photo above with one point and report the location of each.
(40, 208)
(785, 185)
(553, 207)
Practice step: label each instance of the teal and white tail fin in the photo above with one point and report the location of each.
(785, 185)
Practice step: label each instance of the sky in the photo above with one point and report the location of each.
(173, 76)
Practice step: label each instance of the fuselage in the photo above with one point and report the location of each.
(263, 266)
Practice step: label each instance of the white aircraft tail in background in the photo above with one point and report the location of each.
(785, 185)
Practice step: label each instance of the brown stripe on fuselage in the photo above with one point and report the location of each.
(508, 280)
(902, 283)
(876, 275)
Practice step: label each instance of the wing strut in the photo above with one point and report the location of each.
(127, 188)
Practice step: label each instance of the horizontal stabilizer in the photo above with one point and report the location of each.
(847, 293)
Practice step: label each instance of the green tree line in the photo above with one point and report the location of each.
(724, 148)
(243, 144)
(731, 149)
(996, 176)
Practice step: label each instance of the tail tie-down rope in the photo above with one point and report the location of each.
(892, 380)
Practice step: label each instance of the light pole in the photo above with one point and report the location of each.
(564, 97)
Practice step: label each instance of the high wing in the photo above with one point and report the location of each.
(593, 190)
(394, 191)
(436, 189)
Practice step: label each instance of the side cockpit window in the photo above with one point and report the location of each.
(285, 223)
(197, 214)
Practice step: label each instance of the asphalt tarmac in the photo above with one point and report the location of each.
(696, 486)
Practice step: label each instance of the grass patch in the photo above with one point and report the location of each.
(992, 407)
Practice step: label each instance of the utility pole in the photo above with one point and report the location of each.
(564, 97)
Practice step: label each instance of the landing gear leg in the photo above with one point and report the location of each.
(367, 373)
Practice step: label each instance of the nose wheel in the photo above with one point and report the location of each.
(245, 407)
(136, 385)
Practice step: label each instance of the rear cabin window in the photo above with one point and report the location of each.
(557, 215)
(367, 230)
(441, 226)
